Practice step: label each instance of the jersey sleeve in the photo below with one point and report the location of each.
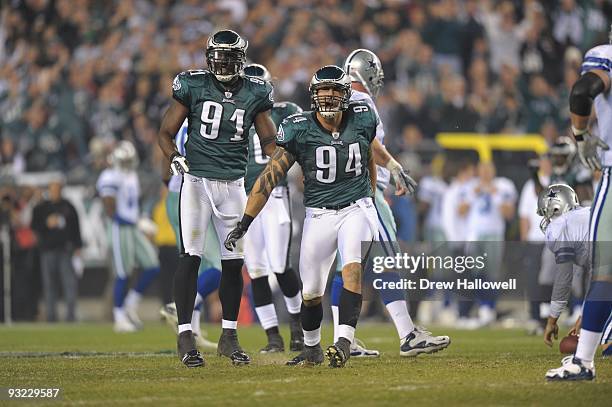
(107, 184)
(180, 89)
(266, 101)
(559, 241)
(287, 132)
(599, 57)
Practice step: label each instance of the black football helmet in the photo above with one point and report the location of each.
(226, 54)
(330, 76)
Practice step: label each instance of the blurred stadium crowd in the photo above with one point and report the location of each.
(76, 76)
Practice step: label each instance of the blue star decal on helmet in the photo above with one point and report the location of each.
(371, 64)
(551, 194)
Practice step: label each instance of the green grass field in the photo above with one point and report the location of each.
(487, 367)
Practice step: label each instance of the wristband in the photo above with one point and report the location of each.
(175, 154)
(393, 165)
(246, 221)
(578, 133)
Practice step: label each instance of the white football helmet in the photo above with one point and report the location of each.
(363, 66)
(124, 156)
(555, 201)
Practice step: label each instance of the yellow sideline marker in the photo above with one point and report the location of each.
(484, 144)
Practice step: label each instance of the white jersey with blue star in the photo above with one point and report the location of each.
(125, 188)
(567, 237)
(600, 57)
(383, 175)
(180, 139)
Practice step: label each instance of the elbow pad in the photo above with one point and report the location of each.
(586, 88)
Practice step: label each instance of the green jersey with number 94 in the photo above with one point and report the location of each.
(335, 165)
(219, 120)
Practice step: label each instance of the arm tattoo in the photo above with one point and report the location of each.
(277, 168)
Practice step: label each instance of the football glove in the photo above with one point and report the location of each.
(403, 182)
(587, 148)
(237, 233)
(178, 164)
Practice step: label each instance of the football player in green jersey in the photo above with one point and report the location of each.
(220, 104)
(332, 144)
(266, 246)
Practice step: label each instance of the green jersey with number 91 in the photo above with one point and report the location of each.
(335, 165)
(219, 120)
(257, 158)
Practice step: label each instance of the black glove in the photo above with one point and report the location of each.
(238, 232)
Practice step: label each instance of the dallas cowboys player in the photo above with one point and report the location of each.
(221, 105)
(566, 227)
(593, 87)
(366, 74)
(120, 191)
(332, 144)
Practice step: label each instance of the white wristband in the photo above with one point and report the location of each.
(579, 132)
(393, 165)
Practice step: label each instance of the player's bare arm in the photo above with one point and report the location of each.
(266, 130)
(403, 182)
(275, 171)
(372, 167)
(171, 123)
(584, 91)
(109, 206)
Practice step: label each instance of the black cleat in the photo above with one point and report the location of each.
(229, 346)
(275, 344)
(339, 353)
(187, 351)
(310, 356)
(297, 335)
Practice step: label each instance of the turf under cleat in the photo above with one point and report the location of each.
(359, 350)
(168, 312)
(187, 351)
(339, 353)
(275, 344)
(572, 369)
(228, 346)
(296, 343)
(310, 356)
(421, 341)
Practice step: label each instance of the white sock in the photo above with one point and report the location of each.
(347, 332)
(587, 345)
(225, 324)
(267, 316)
(294, 304)
(336, 318)
(198, 300)
(132, 299)
(195, 321)
(119, 314)
(398, 310)
(312, 338)
(184, 327)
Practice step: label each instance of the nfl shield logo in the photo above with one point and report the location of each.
(228, 94)
(335, 135)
